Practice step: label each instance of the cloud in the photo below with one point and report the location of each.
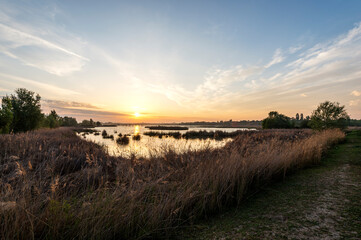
(31, 46)
(331, 64)
(354, 102)
(84, 110)
(4, 90)
(295, 49)
(277, 58)
(52, 89)
(355, 93)
(70, 104)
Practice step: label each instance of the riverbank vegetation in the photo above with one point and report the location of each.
(218, 135)
(57, 185)
(166, 128)
(327, 115)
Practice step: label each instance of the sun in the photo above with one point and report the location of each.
(136, 114)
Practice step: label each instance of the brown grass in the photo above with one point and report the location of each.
(55, 185)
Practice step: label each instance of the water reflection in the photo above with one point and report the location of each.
(153, 146)
(136, 130)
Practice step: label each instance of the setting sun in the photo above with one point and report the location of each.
(136, 114)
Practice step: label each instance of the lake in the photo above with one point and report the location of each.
(154, 146)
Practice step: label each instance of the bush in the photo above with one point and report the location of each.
(104, 134)
(136, 137)
(276, 120)
(123, 140)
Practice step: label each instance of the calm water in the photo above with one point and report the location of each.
(154, 146)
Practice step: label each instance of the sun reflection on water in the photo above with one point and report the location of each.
(136, 130)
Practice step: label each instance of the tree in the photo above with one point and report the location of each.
(329, 115)
(26, 110)
(6, 115)
(68, 121)
(276, 120)
(53, 119)
(297, 117)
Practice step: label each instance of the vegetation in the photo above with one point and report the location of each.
(104, 134)
(166, 128)
(55, 185)
(218, 135)
(90, 123)
(68, 122)
(6, 115)
(226, 124)
(20, 112)
(136, 137)
(276, 120)
(354, 123)
(124, 140)
(52, 120)
(322, 202)
(329, 115)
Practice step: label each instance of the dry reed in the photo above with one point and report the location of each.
(55, 185)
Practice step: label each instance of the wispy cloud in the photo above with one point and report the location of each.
(83, 110)
(4, 89)
(48, 88)
(295, 49)
(277, 58)
(28, 44)
(328, 64)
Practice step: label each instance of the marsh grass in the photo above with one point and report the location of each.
(56, 185)
(218, 135)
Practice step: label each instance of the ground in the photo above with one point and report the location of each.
(320, 202)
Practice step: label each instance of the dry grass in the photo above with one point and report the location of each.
(56, 185)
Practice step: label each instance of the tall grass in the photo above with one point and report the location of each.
(55, 185)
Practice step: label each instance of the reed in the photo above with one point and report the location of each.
(56, 185)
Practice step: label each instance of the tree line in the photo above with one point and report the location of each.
(21, 112)
(327, 115)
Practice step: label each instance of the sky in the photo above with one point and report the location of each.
(174, 61)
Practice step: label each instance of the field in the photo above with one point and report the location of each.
(55, 185)
(320, 202)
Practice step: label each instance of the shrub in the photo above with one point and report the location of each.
(276, 120)
(104, 134)
(136, 137)
(123, 140)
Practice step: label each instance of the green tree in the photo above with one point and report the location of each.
(276, 120)
(53, 119)
(6, 115)
(68, 121)
(26, 110)
(329, 115)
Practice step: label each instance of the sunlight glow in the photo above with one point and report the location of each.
(136, 130)
(136, 114)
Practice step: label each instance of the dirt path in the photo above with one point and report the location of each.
(322, 202)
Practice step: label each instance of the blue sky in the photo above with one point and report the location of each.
(182, 60)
